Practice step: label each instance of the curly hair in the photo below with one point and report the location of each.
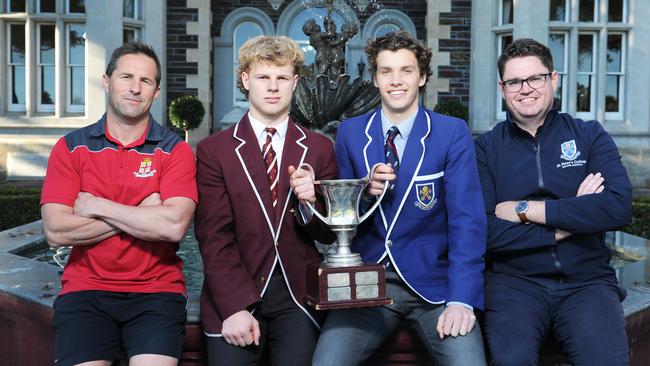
(276, 50)
(525, 47)
(398, 40)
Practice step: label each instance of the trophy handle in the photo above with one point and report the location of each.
(378, 202)
(309, 168)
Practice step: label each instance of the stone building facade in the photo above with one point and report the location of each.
(198, 39)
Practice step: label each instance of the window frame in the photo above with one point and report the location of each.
(14, 107)
(49, 108)
(567, 13)
(235, 64)
(134, 29)
(620, 114)
(136, 10)
(593, 82)
(500, 112)
(7, 7)
(596, 11)
(500, 20)
(69, 107)
(39, 11)
(563, 77)
(67, 8)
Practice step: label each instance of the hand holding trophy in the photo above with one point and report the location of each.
(343, 280)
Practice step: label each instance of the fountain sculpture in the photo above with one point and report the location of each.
(321, 102)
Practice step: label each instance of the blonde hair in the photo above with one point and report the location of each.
(276, 50)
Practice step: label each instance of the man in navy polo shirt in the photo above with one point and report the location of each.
(552, 186)
(121, 192)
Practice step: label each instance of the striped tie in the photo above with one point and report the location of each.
(271, 164)
(390, 150)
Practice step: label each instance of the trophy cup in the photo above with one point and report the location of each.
(343, 280)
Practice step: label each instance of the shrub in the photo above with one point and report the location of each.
(454, 108)
(186, 112)
(19, 207)
(640, 224)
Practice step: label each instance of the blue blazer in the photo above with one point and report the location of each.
(433, 224)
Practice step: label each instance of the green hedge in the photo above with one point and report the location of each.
(20, 206)
(640, 225)
(18, 209)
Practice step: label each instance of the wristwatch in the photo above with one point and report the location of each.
(520, 209)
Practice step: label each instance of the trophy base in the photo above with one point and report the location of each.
(346, 287)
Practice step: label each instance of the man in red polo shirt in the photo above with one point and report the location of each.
(122, 192)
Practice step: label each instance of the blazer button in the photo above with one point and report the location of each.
(262, 280)
(389, 243)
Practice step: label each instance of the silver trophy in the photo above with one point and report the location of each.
(343, 280)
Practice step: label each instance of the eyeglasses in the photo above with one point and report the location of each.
(535, 82)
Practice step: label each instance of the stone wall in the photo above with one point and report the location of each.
(178, 42)
(458, 45)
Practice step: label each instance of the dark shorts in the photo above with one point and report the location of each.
(99, 325)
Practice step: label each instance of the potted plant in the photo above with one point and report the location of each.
(186, 113)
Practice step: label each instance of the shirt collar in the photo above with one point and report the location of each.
(154, 130)
(258, 127)
(550, 117)
(404, 128)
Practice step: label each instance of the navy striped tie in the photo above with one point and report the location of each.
(390, 150)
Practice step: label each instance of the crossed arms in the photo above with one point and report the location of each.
(93, 219)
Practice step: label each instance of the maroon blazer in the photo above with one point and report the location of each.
(240, 236)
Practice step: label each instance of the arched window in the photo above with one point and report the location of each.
(242, 24)
(385, 28)
(244, 31)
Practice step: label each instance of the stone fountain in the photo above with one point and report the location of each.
(323, 100)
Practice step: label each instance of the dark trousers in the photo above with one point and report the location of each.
(585, 318)
(288, 336)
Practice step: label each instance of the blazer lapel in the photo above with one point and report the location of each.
(373, 153)
(252, 161)
(293, 153)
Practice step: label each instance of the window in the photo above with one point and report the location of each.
(596, 53)
(588, 9)
(559, 11)
(76, 6)
(46, 6)
(16, 6)
(131, 9)
(16, 74)
(503, 41)
(75, 65)
(130, 34)
(585, 75)
(614, 84)
(243, 33)
(385, 28)
(505, 12)
(52, 81)
(46, 68)
(557, 42)
(616, 11)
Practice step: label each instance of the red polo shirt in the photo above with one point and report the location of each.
(92, 161)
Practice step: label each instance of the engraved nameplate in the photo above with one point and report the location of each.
(367, 292)
(338, 279)
(366, 278)
(339, 293)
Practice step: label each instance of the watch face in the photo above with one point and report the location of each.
(521, 207)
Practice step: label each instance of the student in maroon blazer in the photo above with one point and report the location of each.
(255, 245)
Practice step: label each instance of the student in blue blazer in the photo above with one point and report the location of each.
(430, 231)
